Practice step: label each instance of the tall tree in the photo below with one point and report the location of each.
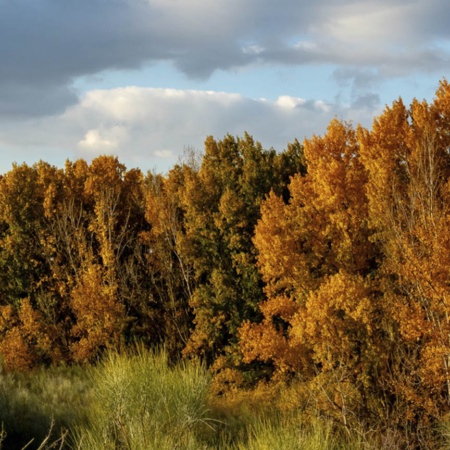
(315, 255)
(222, 205)
(170, 274)
(408, 162)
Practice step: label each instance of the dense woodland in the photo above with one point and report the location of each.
(325, 266)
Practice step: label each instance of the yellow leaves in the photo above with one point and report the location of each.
(435, 371)
(269, 341)
(15, 352)
(100, 315)
(311, 252)
(104, 172)
(281, 306)
(265, 343)
(279, 257)
(337, 321)
(26, 340)
(227, 379)
(324, 227)
(407, 161)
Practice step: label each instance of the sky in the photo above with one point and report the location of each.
(148, 80)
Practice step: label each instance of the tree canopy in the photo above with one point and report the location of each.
(325, 265)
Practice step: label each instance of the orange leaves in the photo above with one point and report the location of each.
(312, 254)
(324, 226)
(337, 322)
(269, 341)
(265, 343)
(100, 315)
(16, 352)
(26, 340)
(279, 259)
(333, 329)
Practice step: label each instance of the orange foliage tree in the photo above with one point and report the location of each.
(356, 266)
(316, 259)
(406, 155)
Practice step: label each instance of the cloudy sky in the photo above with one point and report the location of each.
(146, 79)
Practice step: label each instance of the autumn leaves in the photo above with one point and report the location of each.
(326, 264)
(356, 268)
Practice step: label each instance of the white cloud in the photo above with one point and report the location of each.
(164, 154)
(369, 22)
(105, 140)
(45, 45)
(288, 102)
(151, 128)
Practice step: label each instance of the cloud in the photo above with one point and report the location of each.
(150, 128)
(104, 140)
(46, 44)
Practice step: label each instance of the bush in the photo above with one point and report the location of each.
(140, 402)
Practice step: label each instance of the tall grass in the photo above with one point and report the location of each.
(137, 400)
(268, 434)
(140, 402)
(39, 406)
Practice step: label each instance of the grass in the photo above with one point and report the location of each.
(137, 400)
(140, 402)
(40, 406)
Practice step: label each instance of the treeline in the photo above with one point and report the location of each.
(97, 256)
(326, 266)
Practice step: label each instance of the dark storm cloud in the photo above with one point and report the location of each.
(46, 44)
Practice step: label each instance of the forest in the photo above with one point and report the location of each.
(315, 279)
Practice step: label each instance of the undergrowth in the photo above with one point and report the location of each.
(138, 400)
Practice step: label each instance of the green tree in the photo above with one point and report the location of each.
(221, 204)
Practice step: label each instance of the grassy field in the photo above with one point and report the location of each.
(138, 401)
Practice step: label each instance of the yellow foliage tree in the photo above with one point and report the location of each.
(408, 162)
(100, 317)
(26, 339)
(316, 257)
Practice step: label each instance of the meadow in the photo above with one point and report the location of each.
(138, 400)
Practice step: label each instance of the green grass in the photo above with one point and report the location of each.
(278, 434)
(42, 404)
(139, 402)
(136, 400)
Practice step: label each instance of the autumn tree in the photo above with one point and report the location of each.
(62, 232)
(29, 292)
(169, 270)
(221, 204)
(316, 259)
(21, 214)
(407, 159)
(112, 259)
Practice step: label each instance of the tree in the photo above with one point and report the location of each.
(316, 258)
(100, 316)
(109, 277)
(407, 158)
(221, 206)
(170, 274)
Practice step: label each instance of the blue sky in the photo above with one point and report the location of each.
(147, 79)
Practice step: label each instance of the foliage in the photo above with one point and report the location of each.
(322, 268)
(356, 272)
